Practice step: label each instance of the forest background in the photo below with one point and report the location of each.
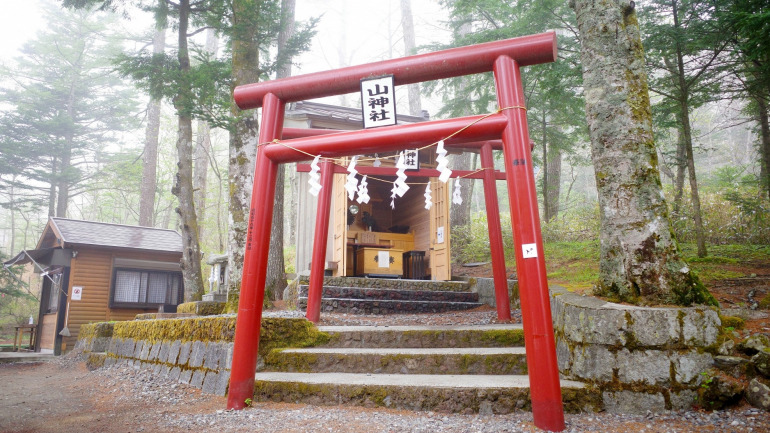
(77, 98)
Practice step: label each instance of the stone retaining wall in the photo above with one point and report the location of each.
(641, 358)
(196, 351)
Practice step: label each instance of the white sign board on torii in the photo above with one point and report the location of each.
(378, 102)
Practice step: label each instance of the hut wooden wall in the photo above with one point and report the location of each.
(92, 270)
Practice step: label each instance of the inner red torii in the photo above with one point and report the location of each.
(504, 59)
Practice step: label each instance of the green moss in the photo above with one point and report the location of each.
(734, 322)
(504, 337)
(764, 304)
(274, 332)
(90, 331)
(692, 291)
(202, 308)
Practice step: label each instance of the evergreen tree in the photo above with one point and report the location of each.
(63, 106)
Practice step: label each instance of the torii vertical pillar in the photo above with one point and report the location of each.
(502, 300)
(315, 288)
(545, 390)
(247, 327)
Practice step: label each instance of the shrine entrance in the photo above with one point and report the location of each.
(509, 123)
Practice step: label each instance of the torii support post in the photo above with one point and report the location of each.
(502, 299)
(543, 369)
(248, 324)
(502, 57)
(315, 289)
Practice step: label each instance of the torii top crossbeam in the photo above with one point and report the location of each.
(504, 59)
(455, 62)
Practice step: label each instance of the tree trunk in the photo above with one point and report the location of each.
(639, 259)
(202, 152)
(183, 187)
(407, 25)
(460, 215)
(764, 126)
(150, 154)
(286, 214)
(681, 169)
(551, 176)
(276, 269)
(553, 170)
(684, 107)
(243, 147)
(52, 187)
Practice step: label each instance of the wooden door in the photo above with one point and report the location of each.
(440, 267)
(340, 227)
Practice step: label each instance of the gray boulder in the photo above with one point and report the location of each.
(754, 343)
(758, 394)
(761, 361)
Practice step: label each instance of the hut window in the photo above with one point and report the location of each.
(135, 288)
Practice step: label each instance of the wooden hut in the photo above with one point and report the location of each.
(97, 272)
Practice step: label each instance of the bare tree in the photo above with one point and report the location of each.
(150, 154)
(203, 149)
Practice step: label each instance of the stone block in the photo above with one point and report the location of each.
(689, 366)
(109, 362)
(173, 352)
(138, 349)
(595, 325)
(197, 378)
(563, 355)
(154, 352)
(593, 362)
(127, 348)
(654, 327)
(212, 356)
(700, 326)
(196, 354)
(210, 382)
(174, 373)
(165, 370)
(163, 353)
(226, 360)
(184, 353)
(113, 346)
(652, 367)
(683, 400)
(223, 380)
(630, 402)
(145, 355)
(185, 376)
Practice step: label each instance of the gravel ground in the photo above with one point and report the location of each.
(178, 407)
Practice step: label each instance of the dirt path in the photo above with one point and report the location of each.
(66, 397)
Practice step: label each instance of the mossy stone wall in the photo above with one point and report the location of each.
(641, 358)
(197, 351)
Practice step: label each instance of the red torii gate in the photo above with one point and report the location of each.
(504, 58)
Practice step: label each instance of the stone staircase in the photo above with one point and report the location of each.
(462, 369)
(391, 296)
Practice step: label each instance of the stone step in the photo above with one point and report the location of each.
(498, 335)
(484, 361)
(392, 294)
(390, 283)
(486, 394)
(376, 306)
